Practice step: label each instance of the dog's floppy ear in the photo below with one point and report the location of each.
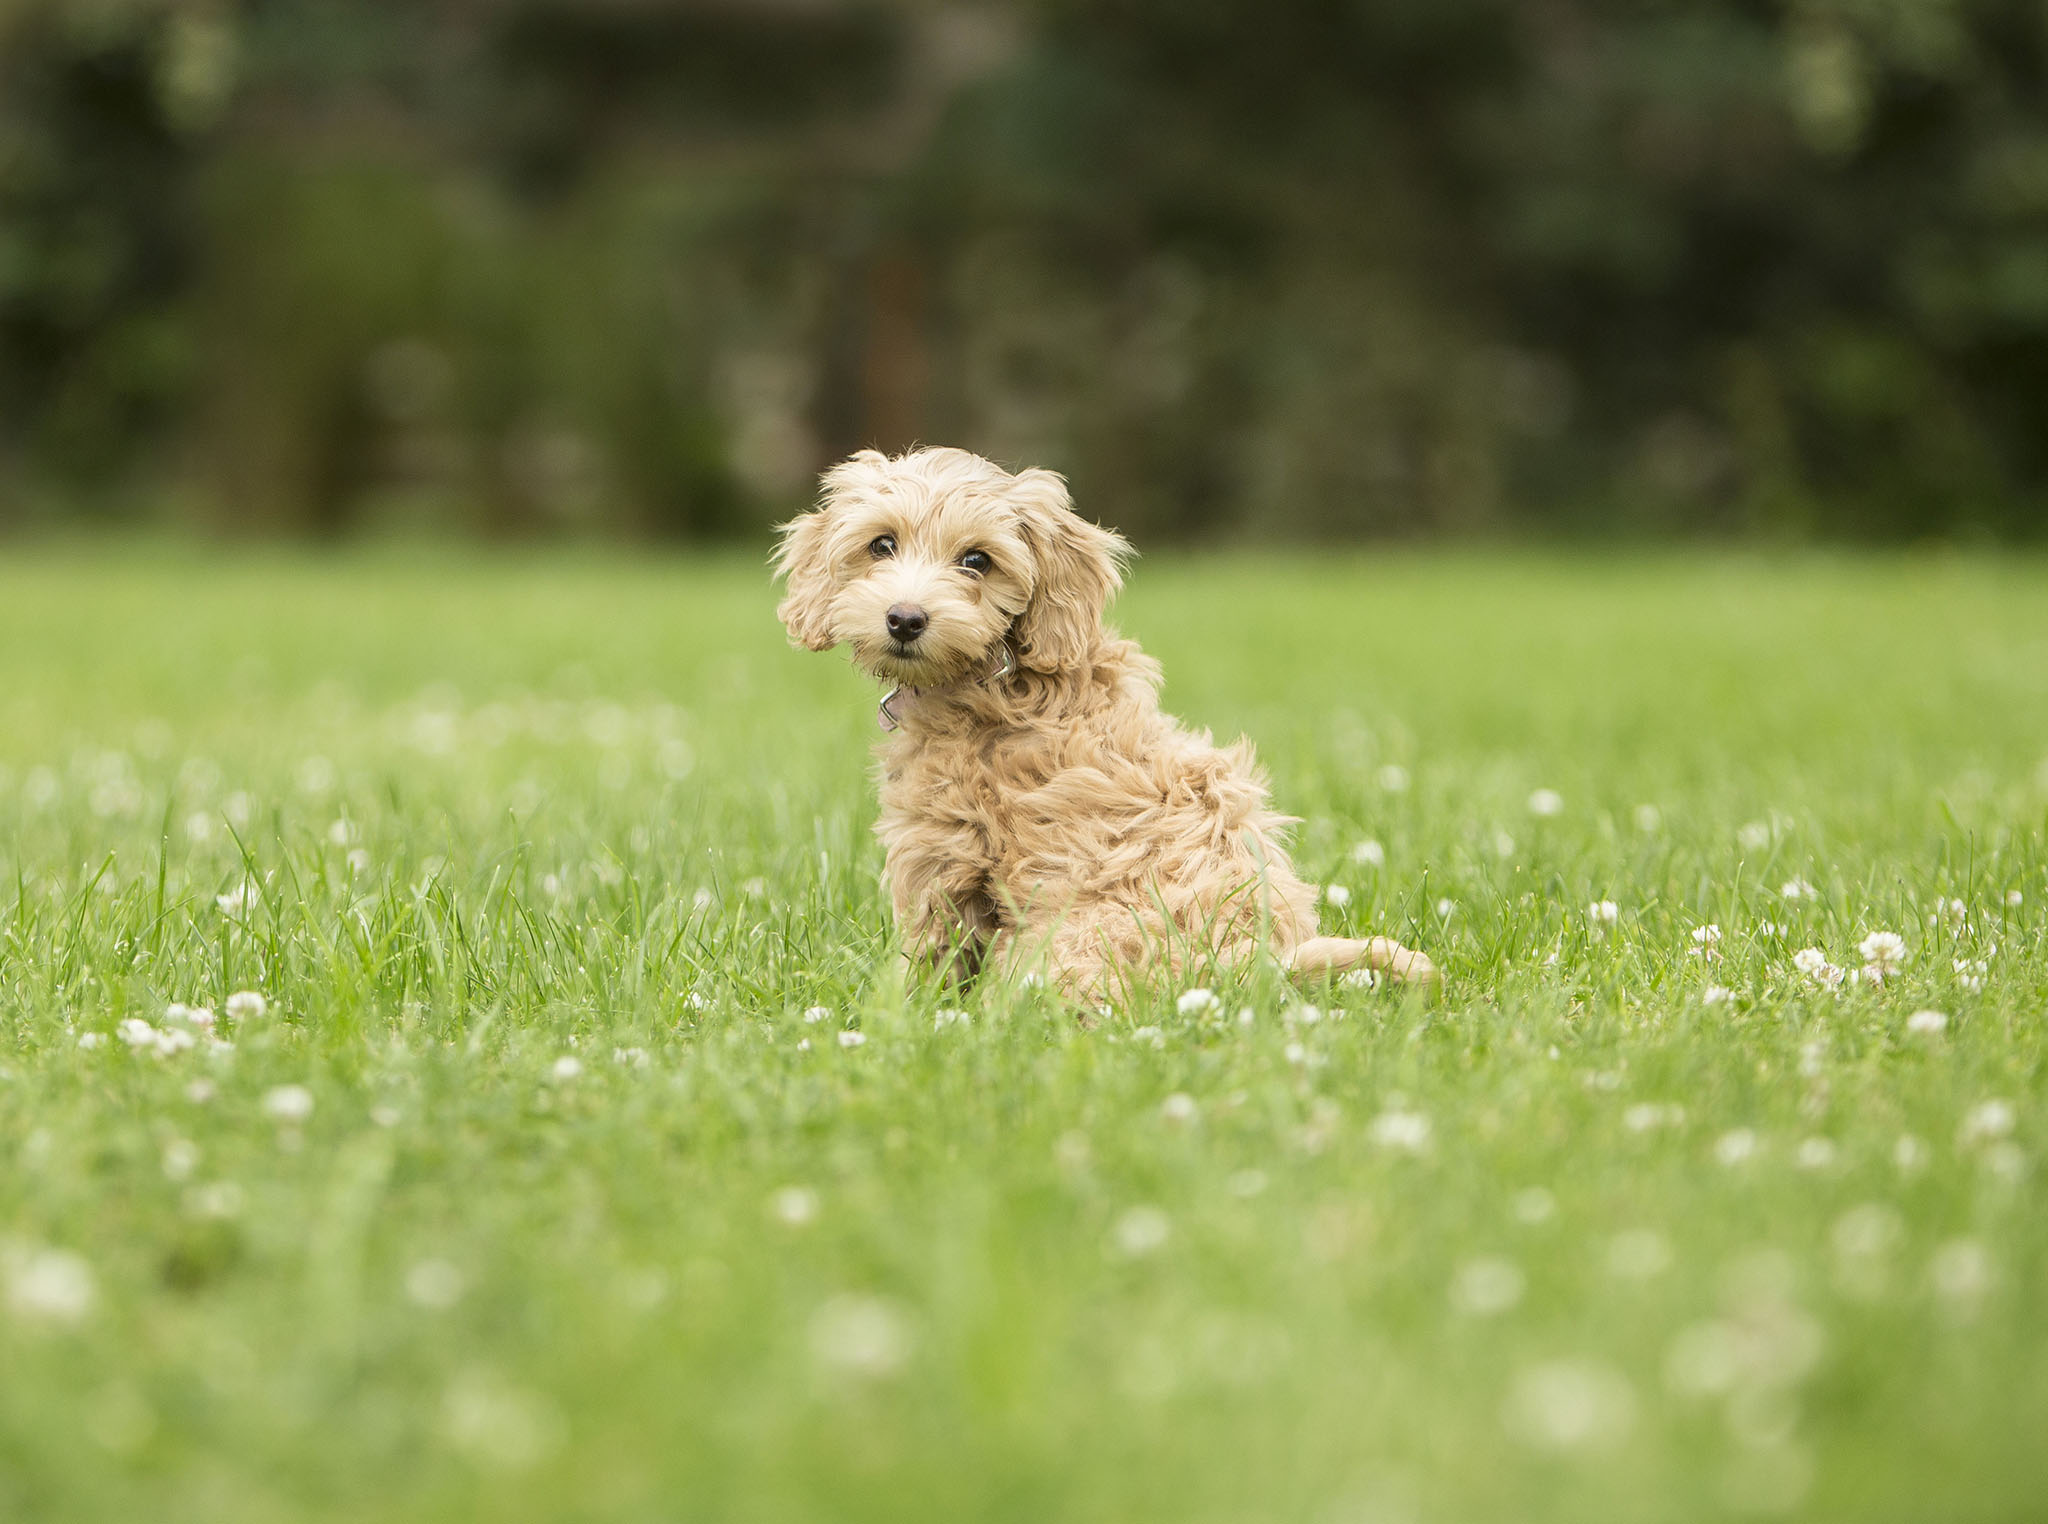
(1080, 566)
(804, 557)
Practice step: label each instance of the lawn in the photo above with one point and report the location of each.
(586, 1156)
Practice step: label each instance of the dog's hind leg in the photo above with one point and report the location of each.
(1321, 958)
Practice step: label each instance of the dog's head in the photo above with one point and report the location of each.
(924, 564)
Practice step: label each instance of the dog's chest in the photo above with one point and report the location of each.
(976, 780)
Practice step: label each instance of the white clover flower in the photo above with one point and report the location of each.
(1407, 1131)
(1909, 1154)
(1867, 1231)
(1957, 911)
(696, 1002)
(499, 1427)
(861, 1338)
(1546, 802)
(1141, 1231)
(1393, 778)
(1648, 817)
(1648, 1115)
(1737, 1147)
(794, 1206)
(1603, 912)
(1716, 994)
(2007, 1161)
(386, 1115)
(1706, 941)
(1485, 1288)
(1638, 1254)
(201, 1091)
(90, 1040)
(1359, 979)
(136, 1032)
(2015, 898)
(1754, 836)
(630, 1058)
(566, 1068)
(818, 1013)
(851, 1038)
(949, 1017)
(1503, 845)
(48, 1286)
(1971, 974)
(239, 899)
(216, 1201)
(1566, 1405)
(288, 1103)
(1151, 1037)
(172, 1040)
(1927, 1023)
(1815, 1153)
(1336, 896)
(1706, 1359)
(1295, 1053)
(1961, 1271)
(435, 1284)
(244, 1005)
(868, 1338)
(1533, 1204)
(1178, 1108)
(1797, 889)
(1071, 1152)
(1303, 1015)
(1772, 928)
(180, 1159)
(1369, 854)
(1814, 964)
(1883, 952)
(1986, 1121)
(1445, 909)
(1198, 1002)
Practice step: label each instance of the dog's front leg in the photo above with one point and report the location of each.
(945, 914)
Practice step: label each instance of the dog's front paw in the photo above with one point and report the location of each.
(1407, 966)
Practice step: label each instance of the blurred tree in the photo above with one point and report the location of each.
(1314, 267)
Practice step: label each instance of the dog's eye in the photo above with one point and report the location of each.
(977, 561)
(882, 546)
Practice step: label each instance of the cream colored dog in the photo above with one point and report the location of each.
(1038, 810)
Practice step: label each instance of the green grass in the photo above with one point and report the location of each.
(503, 812)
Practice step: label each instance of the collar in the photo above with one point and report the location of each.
(889, 719)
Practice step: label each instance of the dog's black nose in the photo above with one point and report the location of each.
(907, 622)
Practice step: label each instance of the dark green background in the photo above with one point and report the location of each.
(1305, 268)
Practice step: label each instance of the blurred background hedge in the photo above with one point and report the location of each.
(1305, 268)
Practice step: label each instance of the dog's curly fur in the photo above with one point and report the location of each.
(1039, 811)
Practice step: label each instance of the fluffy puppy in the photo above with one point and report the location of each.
(1039, 812)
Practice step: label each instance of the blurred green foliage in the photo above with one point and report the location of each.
(1307, 267)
